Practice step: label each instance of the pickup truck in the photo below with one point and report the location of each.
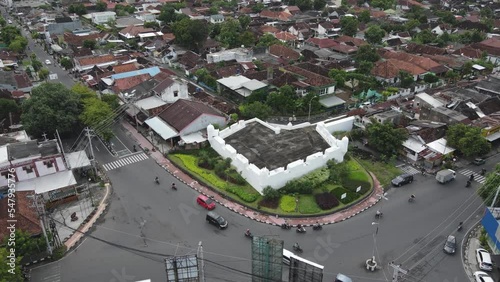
(445, 176)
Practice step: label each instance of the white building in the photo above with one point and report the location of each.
(238, 54)
(240, 84)
(101, 17)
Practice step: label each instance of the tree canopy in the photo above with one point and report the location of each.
(488, 190)
(255, 109)
(385, 137)
(7, 106)
(374, 34)
(190, 33)
(467, 139)
(51, 107)
(349, 26)
(5, 274)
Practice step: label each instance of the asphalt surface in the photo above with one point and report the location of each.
(155, 221)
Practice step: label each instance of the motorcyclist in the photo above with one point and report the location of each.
(248, 232)
(468, 183)
(296, 246)
(412, 196)
(483, 171)
(135, 149)
(471, 178)
(379, 213)
(317, 225)
(300, 228)
(173, 186)
(157, 180)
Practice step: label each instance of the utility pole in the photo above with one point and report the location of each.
(202, 262)
(397, 270)
(91, 150)
(41, 216)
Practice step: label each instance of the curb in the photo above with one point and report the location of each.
(254, 218)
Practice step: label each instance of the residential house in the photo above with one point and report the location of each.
(492, 47)
(215, 19)
(123, 81)
(15, 81)
(284, 52)
(351, 41)
(239, 87)
(88, 62)
(279, 16)
(238, 54)
(313, 81)
(422, 132)
(388, 70)
(321, 42)
(63, 24)
(301, 29)
(190, 60)
(171, 89)
(101, 17)
(490, 86)
(184, 122)
(422, 62)
(132, 32)
(326, 29)
(432, 109)
(293, 10)
(26, 215)
(286, 37)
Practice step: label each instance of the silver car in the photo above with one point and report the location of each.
(450, 246)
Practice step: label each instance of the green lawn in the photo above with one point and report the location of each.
(384, 172)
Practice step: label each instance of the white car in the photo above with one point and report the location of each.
(484, 260)
(480, 276)
(47, 62)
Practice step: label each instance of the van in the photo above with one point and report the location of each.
(216, 220)
(286, 256)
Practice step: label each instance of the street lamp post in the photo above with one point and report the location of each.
(310, 101)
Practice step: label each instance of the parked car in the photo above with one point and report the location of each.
(450, 245)
(342, 278)
(480, 276)
(402, 180)
(47, 62)
(479, 161)
(484, 260)
(205, 202)
(217, 220)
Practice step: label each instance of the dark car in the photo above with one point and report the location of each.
(402, 180)
(479, 161)
(450, 246)
(216, 220)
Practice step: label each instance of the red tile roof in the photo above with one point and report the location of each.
(282, 16)
(135, 30)
(269, 29)
(344, 49)
(95, 60)
(183, 112)
(390, 68)
(312, 78)
(348, 39)
(422, 62)
(285, 36)
(26, 216)
(124, 68)
(129, 82)
(322, 42)
(281, 51)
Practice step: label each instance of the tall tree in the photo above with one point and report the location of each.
(349, 25)
(230, 33)
(101, 6)
(374, 34)
(255, 109)
(364, 16)
(96, 114)
(366, 53)
(51, 106)
(8, 274)
(244, 21)
(7, 107)
(488, 190)
(190, 33)
(9, 34)
(468, 140)
(385, 137)
(319, 4)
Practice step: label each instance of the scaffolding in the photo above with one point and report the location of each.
(267, 255)
(182, 269)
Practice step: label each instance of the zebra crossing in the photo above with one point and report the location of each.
(477, 175)
(409, 169)
(125, 161)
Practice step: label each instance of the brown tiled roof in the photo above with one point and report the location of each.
(348, 39)
(228, 71)
(262, 75)
(124, 68)
(76, 40)
(344, 49)
(449, 61)
(183, 112)
(135, 30)
(26, 216)
(22, 80)
(469, 52)
(129, 82)
(268, 29)
(164, 84)
(95, 60)
(326, 25)
(322, 42)
(283, 16)
(425, 49)
(282, 80)
(422, 62)
(285, 36)
(281, 51)
(190, 59)
(377, 14)
(390, 68)
(312, 78)
(491, 42)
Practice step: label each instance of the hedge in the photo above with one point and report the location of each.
(350, 196)
(353, 184)
(287, 203)
(190, 163)
(326, 201)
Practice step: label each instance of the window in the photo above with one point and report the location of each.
(49, 163)
(323, 91)
(28, 169)
(176, 93)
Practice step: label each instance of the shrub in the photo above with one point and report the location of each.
(270, 193)
(353, 184)
(270, 203)
(288, 204)
(350, 196)
(59, 252)
(297, 186)
(234, 177)
(326, 201)
(245, 196)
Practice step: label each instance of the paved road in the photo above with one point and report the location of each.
(409, 233)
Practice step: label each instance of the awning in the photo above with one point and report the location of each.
(77, 159)
(196, 137)
(47, 183)
(161, 128)
(493, 137)
(56, 48)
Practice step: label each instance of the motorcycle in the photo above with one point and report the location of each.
(286, 226)
(483, 171)
(468, 184)
(135, 149)
(174, 187)
(157, 181)
(378, 215)
(298, 249)
(411, 200)
(317, 227)
(460, 228)
(301, 230)
(249, 235)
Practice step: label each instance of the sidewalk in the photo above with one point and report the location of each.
(249, 213)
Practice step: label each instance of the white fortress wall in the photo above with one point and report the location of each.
(277, 178)
(344, 124)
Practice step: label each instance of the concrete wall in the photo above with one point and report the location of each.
(202, 122)
(277, 178)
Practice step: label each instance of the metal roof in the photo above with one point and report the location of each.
(161, 128)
